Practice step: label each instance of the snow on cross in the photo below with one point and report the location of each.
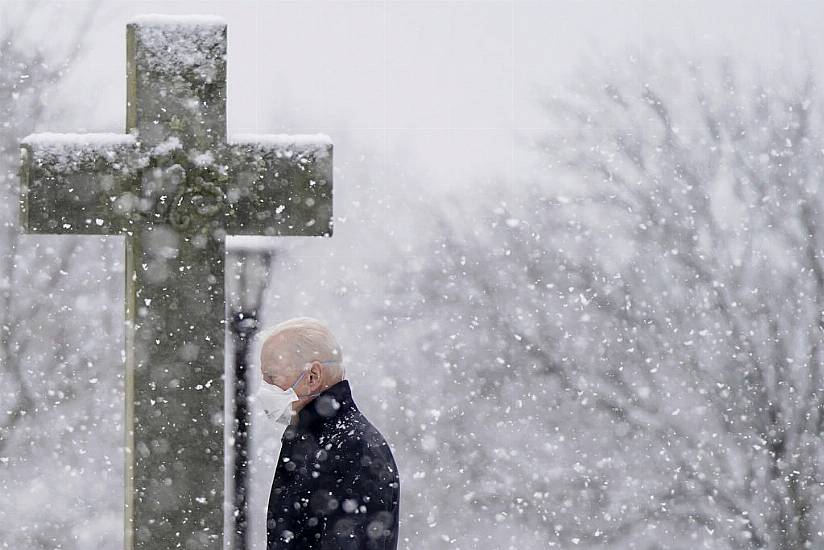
(175, 187)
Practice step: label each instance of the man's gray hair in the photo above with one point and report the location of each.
(307, 339)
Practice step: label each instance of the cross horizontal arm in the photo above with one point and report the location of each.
(281, 185)
(78, 183)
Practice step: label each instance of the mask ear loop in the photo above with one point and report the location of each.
(292, 387)
(296, 382)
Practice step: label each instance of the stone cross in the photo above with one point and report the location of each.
(175, 186)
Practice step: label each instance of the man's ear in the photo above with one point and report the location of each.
(315, 374)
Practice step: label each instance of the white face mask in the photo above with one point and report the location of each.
(277, 403)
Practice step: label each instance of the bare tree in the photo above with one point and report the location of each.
(25, 74)
(631, 346)
(59, 354)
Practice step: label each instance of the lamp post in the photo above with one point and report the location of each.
(248, 269)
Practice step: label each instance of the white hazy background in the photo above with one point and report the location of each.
(421, 98)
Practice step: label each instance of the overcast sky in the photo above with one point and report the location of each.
(433, 93)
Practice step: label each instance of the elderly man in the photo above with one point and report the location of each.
(336, 485)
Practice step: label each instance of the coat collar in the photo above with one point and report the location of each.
(335, 400)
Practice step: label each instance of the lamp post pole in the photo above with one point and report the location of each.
(244, 327)
(250, 268)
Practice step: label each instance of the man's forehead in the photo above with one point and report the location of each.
(279, 351)
(282, 345)
(274, 349)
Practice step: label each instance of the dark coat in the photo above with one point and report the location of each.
(336, 485)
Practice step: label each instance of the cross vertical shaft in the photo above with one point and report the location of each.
(176, 82)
